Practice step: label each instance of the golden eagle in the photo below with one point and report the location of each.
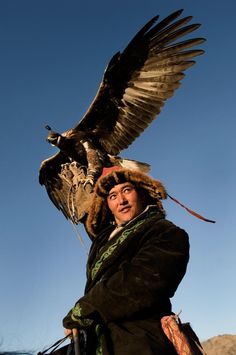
(134, 88)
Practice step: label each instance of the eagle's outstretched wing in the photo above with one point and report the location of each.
(138, 81)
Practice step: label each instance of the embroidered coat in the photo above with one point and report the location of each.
(130, 280)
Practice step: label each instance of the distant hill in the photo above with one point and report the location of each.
(220, 345)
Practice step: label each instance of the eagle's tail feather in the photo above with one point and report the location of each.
(130, 164)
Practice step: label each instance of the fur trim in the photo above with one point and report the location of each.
(100, 216)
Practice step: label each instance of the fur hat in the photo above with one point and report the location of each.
(100, 216)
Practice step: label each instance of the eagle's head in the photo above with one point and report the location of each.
(53, 138)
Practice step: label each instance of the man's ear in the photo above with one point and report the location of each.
(143, 199)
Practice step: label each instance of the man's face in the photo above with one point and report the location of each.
(124, 202)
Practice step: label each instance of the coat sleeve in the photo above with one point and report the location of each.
(152, 275)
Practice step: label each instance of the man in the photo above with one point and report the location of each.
(136, 262)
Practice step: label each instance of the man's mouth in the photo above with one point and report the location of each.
(124, 209)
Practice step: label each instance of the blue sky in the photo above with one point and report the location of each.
(53, 54)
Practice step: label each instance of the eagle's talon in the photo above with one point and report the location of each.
(89, 181)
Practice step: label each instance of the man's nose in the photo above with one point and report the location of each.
(122, 199)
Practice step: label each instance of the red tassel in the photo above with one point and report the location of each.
(190, 211)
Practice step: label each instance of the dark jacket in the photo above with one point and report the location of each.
(130, 280)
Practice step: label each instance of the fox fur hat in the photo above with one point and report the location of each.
(100, 216)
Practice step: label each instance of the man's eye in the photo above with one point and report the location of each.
(112, 197)
(127, 189)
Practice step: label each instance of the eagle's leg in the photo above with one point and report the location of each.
(95, 163)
